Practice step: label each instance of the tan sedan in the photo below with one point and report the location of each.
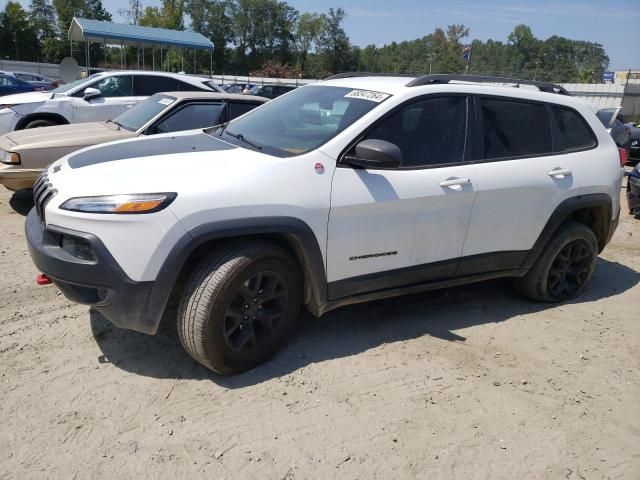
(24, 153)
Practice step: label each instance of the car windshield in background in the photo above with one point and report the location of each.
(137, 116)
(68, 86)
(303, 120)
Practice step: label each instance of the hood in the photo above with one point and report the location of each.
(29, 97)
(172, 162)
(74, 135)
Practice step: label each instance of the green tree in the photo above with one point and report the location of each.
(42, 17)
(307, 33)
(18, 38)
(133, 13)
(334, 42)
(170, 15)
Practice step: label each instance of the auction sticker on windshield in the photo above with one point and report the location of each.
(368, 95)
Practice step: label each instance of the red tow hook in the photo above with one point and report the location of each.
(42, 279)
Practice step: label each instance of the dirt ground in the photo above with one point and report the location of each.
(471, 383)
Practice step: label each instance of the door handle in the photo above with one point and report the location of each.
(455, 183)
(560, 173)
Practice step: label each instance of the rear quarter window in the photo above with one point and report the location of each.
(573, 132)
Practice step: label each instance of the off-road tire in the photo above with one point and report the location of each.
(537, 283)
(210, 292)
(40, 123)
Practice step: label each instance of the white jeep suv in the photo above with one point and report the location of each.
(97, 98)
(349, 190)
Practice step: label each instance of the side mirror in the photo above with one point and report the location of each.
(90, 93)
(375, 154)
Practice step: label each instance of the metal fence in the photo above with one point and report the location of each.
(603, 95)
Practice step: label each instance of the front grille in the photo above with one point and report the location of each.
(43, 191)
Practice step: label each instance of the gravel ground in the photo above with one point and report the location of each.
(470, 382)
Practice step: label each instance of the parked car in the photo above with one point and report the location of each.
(237, 87)
(26, 152)
(10, 85)
(634, 140)
(423, 183)
(96, 98)
(270, 91)
(37, 80)
(633, 190)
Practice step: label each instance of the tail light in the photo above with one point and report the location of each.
(624, 156)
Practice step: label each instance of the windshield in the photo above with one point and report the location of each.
(68, 86)
(135, 117)
(302, 120)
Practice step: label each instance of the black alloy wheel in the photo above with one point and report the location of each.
(570, 269)
(255, 313)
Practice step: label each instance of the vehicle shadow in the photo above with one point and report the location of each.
(22, 202)
(349, 330)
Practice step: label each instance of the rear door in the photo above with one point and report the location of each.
(529, 158)
(396, 227)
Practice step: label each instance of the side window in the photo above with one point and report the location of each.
(187, 87)
(573, 131)
(239, 108)
(26, 77)
(429, 132)
(195, 115)
(147, 85)
(115, 86)
(514, 129)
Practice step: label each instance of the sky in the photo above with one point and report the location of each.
(613, 23)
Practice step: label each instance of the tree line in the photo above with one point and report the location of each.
(271, 38)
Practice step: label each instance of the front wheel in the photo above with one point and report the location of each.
(238, 306)
(564, 267)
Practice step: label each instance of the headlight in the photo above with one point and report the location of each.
(9, 158)
(634, 143)
(120, 204)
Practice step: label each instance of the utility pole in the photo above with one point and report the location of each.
(430, 57)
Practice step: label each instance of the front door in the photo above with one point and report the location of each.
(392, 228)
(117, 96)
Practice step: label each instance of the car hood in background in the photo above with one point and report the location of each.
(74, 135)
(22, 98)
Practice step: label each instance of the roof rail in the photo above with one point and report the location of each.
(369, 74)
(446, 78)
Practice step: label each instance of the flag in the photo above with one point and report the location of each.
(466, 52)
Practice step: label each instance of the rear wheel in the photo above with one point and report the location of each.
(238, 306)
(40, 123)
(564, 268)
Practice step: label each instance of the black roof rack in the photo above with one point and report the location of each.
(369, 74)
(446, 78)
(440, 78)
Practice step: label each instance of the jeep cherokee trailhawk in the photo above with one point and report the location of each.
(352, 189)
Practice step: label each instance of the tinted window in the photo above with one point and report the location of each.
(147, 85)
(573, 131)
(239, 108)
(134, 118)
(196, 115)
(26, 77)
(115, 86)
(515, 129)
(187, 87)
(7, 81)
(429, 132)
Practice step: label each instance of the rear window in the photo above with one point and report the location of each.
(573, 131)
(515, 129)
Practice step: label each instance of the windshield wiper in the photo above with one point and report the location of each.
(242, 138)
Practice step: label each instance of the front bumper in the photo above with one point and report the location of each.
(16, 178)
(633, 193)
(101, 283)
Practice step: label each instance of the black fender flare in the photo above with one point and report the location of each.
(56, 117)
(564, 211)
(299, 237)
